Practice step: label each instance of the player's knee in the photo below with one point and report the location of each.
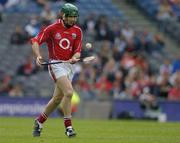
(69, 93)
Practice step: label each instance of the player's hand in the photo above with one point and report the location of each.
(39, 61)
(73, 60)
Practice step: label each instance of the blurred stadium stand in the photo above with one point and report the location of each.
(40, 85)
(171, 26)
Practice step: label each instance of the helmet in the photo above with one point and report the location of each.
(70, 10)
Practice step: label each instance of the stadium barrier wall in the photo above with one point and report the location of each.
(97, 109)
(31, 106)
(170, 108)
(22, 106)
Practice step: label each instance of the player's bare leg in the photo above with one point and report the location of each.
(54, 102)
(66, 87)
(51, 106)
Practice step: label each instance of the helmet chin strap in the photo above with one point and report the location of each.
(67, 25)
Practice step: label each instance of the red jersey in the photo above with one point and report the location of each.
(62, 42)
(174, 93)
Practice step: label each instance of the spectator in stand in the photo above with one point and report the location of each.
(104, 84)
(32, 28)
(127, 32)
(5, 84)
(28, 67)
(146, 40)
(165, 67)
(149, 104)
(103, 87)
(89, 25)
(141, 62)
(174, 93)
(164, 13)
(159, 43)
(116, 53)
(175, 4)
(47, 15)
(152, 85)
(164, 85)
(132, 84)
(105, 52)
(18, 37)
(116, 30)
(103, 31)
(84, 84)
(128, 61)
(130, 46)
(118, 86)
(122, 45)
(110, 67)
(16, 90)
(137, 41)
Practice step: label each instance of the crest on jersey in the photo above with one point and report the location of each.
(74, 35)
(58, 36)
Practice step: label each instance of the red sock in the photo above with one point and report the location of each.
(67, 122)
(42, 118)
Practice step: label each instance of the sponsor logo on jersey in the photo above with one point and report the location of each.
(64, 43)
(58, 36)
(74, 35)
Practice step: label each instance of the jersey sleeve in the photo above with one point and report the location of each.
(78, 42)
(42, 37)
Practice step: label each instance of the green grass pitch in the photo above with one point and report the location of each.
(19, 130)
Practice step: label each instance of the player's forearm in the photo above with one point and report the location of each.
(75, 58)
(76, 55)
(36, 49)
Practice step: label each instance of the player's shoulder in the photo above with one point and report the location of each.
(77, 28)
(53, 25)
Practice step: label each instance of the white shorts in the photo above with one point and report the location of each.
(63, 69)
